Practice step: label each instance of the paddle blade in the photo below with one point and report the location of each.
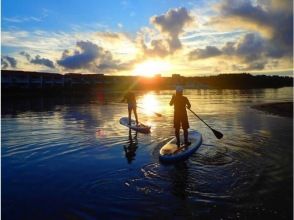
(157, 114)
(217, 134)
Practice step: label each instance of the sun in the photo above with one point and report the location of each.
(151, 67)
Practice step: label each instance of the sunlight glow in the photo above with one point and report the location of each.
(151, 67)
(149, 104)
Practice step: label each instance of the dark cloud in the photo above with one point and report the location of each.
(273, 18)
(229, 48)
(250, 50)
(251, 47)
(172, 22)
(209, 51)
(244, 9)
(91, 57)
(38, 60)
(170, 25)
(42, 61)
(7, 61)
(82, 58)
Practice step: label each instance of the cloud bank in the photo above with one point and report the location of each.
(270, 43)
(234, 35)
(272, 18)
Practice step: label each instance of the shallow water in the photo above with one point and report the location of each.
(69, 158)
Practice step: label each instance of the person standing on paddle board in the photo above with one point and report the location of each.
(180, 103)
(132, 105)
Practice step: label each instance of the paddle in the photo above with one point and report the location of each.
(180, 148)
(218, 134)
(158, 114)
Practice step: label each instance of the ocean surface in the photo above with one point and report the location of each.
(69, 158)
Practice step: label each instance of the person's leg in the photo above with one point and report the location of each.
(177, 125)
(185, 126)
(130, 115)
(177, 134)
(136, 116)
(186, 140)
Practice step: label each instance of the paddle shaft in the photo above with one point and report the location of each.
(218, 134)
(199, 118)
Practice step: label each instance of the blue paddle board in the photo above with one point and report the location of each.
(171, 153)
(140, 127)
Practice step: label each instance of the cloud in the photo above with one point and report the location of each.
(7, 61)
(272, 18)
(251, 47)
(37, 42)
(158, 48)
(172, 22)
(250, 50)
(38, 60)
(109, 35)
(49, 44)
(209, 51)
(256, 65)
(91, 57)
(43, 61)
(27, 56)
(170, 25)
(22, 19)
(83, 57)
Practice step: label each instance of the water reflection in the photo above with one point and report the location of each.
(131, 147)
(149, 103)
(179, 180)
(72, 150)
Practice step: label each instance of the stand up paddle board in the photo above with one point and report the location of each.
(140, 127)
(171, 153)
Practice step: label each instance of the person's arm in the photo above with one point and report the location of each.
(188, 103)
(124, 99)
(172, 101)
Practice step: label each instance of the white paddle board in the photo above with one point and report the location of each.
(140, 127)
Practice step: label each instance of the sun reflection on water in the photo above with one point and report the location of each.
(149, 104)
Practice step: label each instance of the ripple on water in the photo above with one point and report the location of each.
(214, 156)
(213, 173)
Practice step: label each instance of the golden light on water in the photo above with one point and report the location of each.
(149, 104)
(151, 67)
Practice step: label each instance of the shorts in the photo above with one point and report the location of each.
(181, 120)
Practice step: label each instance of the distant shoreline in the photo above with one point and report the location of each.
(23, 82)
(284, 109)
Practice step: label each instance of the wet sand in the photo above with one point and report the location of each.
(284, 109)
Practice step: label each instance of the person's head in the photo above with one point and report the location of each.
(179, 90)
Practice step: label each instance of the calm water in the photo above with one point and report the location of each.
(69, 158)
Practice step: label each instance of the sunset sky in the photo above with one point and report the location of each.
(147, 37)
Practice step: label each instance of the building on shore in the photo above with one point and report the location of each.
(21, 79)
